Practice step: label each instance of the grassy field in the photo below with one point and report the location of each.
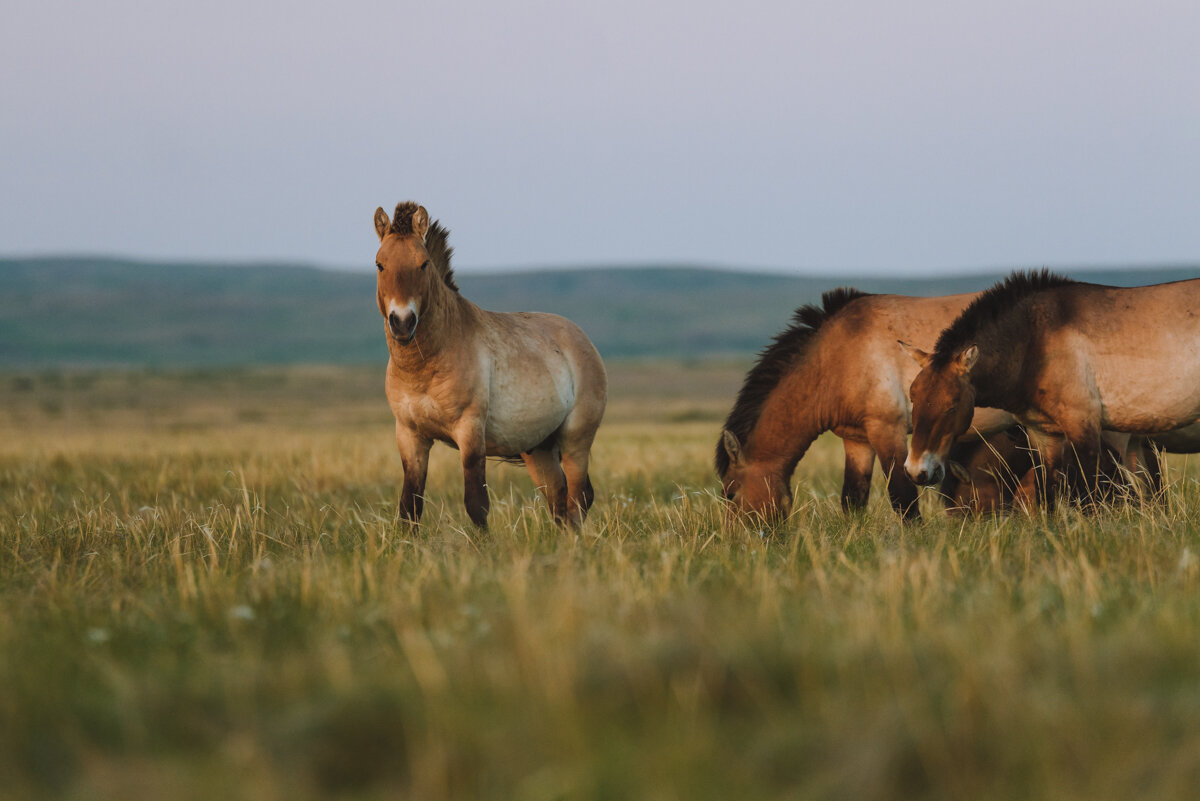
(205, 593)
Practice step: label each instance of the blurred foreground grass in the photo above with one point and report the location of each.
(205, 592)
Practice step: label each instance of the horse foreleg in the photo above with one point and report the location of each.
(414, 455)
(856, 478)
(1083, 455)
(469, 437)
(890, 441)
(1046, 473)
(548, 477)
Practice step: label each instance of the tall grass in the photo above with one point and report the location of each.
(206, 592)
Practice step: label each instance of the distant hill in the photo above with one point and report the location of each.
(57, 312)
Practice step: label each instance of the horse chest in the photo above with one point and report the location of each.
(424, 412)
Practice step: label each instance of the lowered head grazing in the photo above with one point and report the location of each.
(943, 402)
(751, 490)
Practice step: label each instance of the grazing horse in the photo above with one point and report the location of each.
(838, 368)
(987, 473)
(503, 385)
(1070, 360)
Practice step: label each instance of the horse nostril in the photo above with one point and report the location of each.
(402, 327)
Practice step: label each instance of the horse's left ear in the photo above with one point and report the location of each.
(916, 354)
(420, 222)
(966, 359)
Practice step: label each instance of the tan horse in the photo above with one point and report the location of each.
(838, 368)
(1070, 361)
(489, 384)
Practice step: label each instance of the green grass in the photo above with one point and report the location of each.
(205, 592)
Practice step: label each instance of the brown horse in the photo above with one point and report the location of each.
(503, 385)
(1069, 360)
(987, 474)
(838, 368)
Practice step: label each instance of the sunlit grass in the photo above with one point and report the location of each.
(205, 593)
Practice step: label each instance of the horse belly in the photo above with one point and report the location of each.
(1147, 400)
(526, 407)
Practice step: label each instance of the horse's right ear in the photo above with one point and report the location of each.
(916, 354)
(732, 447)
(382, 223)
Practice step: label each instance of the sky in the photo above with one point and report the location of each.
(916, 138)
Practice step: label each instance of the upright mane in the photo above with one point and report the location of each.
(436, 240)
(990, 307)
(775, 361)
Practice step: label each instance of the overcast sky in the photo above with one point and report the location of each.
(917, 137)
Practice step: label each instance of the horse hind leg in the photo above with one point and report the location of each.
(580, 494)
(576, 443)
(547, 474)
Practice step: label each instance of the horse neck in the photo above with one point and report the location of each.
(788, 424)
(1003, 352)
(446, 315)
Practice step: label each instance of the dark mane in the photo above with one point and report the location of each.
(436, 240)
(439, 250)
(989, 307)
(775, 361)
(402, 219)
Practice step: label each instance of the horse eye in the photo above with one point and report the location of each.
(378, 266)
(424, 264)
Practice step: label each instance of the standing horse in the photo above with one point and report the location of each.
(838, 368)
(490, 384)
(1069, 360)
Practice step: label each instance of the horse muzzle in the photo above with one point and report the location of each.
(926, 470)
(402, 327)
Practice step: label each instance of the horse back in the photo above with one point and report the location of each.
(861, 360)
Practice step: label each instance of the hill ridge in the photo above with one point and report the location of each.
(93, 311)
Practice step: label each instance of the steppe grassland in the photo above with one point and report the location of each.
(204, 590)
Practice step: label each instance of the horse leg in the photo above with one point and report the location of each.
(547, 474)
(856, 479)
(576, 435)
(1083, 466)
(469, 438)
(1143, 460)
(1040, 486)
(1153, 465)
(414, 455)
(580, 494)
(890, 441)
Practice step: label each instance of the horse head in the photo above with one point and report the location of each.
(404, 283)
(752, 490)
(943, 402)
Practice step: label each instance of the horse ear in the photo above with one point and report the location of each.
(732, 446)
(420, 222)
(916, 354)
(382, 223)
(966, 359)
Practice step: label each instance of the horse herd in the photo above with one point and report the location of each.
(1036, 388)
